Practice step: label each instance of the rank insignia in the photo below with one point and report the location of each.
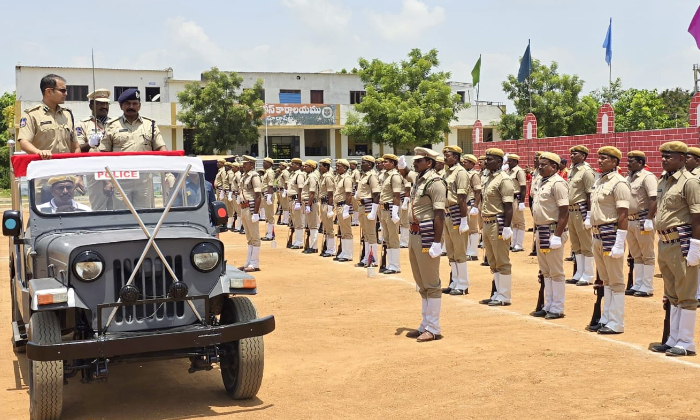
(22, 123)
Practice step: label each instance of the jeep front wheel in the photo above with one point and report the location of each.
(244, 360)
(45, 378)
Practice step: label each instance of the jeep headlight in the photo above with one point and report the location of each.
(205, 257)
(88, 266)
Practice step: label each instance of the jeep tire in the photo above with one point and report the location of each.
(242, 365)
(45, 378)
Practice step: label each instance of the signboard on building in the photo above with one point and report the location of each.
(299, 114)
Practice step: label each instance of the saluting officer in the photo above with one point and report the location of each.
(251, 196)
(517, 175)
(581, 181)
(610, 203)
(326, 192)
(343, 205)
(390, 200)
(368, 197)
(469, 162)
(550, 212)
(294, 187)
(309, 196)
(457, 220)
(427, 223)
(640, 237)
(268, 184)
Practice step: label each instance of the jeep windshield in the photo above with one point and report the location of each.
(81, 185)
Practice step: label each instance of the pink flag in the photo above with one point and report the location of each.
(694, 28)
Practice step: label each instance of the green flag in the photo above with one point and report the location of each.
(476, 72)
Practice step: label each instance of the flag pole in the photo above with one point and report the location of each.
(529, 74)
(477, 99)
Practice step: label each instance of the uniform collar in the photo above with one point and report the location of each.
(47, 108)
(427, 173)
(675, 175)
(124, 120)
(608, 174)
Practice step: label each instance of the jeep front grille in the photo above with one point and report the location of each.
(153, 281)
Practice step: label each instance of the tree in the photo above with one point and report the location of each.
(406, 104)
(553, 98)
(676, 103)
(7, 124)
(221, 114)
(640, 109)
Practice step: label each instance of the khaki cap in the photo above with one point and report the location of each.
(390, 157)
(369, 158)
(674, 146)
(220, 160)
(451, 148)
(694, 151)
(429, 153)
(639, 153)
(471, 158)
(99, 95)
(343, 162)
(298, 161)
(495, 152)
(580, 148)
(325, 160)
(65, 178)
(610, 151)
(311, 163)
(228, 164)
(440, 159)
(514, 156)
(551, 156)
(246, 158)
(269, 160)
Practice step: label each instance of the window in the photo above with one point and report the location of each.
(357, 147)
(316, 96)
(118, 90)
(356, 96)
(77, 93)
(464, 140)
(316, 142)
(152, 94)
(290, 96)
(488, 135)
(462, 96)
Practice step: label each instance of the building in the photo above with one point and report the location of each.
(304, 111)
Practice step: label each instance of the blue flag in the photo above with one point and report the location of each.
(525, 65)
(607, 44)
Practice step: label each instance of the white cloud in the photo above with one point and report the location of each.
(414, 19)
(191, 40)
(320, 15)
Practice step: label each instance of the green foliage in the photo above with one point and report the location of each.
(676, 106)
(406, 103)
(640, 110)
(222, 115)
(7, 123)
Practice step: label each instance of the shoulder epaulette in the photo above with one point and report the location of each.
(86, 119)
(113, 120)
(34, 108)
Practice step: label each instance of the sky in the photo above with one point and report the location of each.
(651, 46)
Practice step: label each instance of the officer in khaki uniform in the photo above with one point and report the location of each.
(282, 184)
(268, 183)
(469, 162)
(326, 190)
(609, 212)
(456, 220)
(581, 179)
(692, 160)
(640, 232)
(309, 197)
(251, 197)
(427, 223)
(89, 132)
(355, 175)
(367, 195)
(517, 175)
(404, 223)
(342, 198)
(233, 197)
(390, 201)
(677, 224)
(294, 188)
(550, 212)
(220, 179)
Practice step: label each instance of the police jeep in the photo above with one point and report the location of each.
(138, 276)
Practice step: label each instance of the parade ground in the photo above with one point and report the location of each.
(340, 352)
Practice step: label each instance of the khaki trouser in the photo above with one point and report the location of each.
(231, 204)
(139, 191)
(269, 208)
(680, 281)
(426, 270)
(344, 225)
(581, 238)
(611, 270)
(641, 243)
(474, 223)
(297, 215)
(252, 232)
(312, 219)
(455, 242)
(518, 218)
(552, 262)
(405, 222)
(368, 227)
(497, 250)
(390, 230)
(98, 200)
(328, 227)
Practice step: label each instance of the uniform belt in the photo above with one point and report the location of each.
(340, 203)
(574, 207)
(596, 228)
(292, 197)
(386, 206)
(669, 236)
(324, 200)
(489, 219)
(552, 227)
(633, 217)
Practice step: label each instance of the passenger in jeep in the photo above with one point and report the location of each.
(63, 190)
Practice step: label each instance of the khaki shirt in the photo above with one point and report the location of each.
(643, 185)
(283, 179)
(678, 198)
(610, 193)
(87, 127)
(393, 183)
(695, 171)
(268, 180)
(343, 185)
(427, 195)
(517, 174)
(497, 189)
(250, 184)
(381, 175)
(356, 175)
(234, 180)
(311, 184)
(368, 185)
(581, 180)
(327, 185)
(47, 130)
(221, 180)
(296, 182)
(548, 195)
(457, 180)
(141, 136)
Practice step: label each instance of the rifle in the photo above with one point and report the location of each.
(599, 291)
(291, 234)
(667, 320)
(325, 244)
(340, 245)
(279, 211)
(383, 254)
(540, 294)
(575, 266)
(362, 241)
(307, 234)
(235, 219)
(630, 274)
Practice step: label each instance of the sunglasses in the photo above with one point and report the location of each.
(61, 90)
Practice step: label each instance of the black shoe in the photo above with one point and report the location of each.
(235, 230)
(606, 330)
(498, 303)
(539, 314)
(444, 254)
(457, 292)
(485, 301)
(295, 247)
(361, 264)
(529, 229)
(446, 290)
(343, 259)
(532, 254)
(679, 351)
(472, 258)
(630, 292)
(643, 294)
(659, 348)
(325, 255)
(571, 258)
(265, 238)
(310, 251)
(485, 264)
(242, 232)
(404, 247)
(553, 315)
(594, 328)
(571, 281)
(390, 272)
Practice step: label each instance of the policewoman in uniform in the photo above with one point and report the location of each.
(640, 232)
(343, 206)
(294, 187)
(368, 198)
(677, 224)
(268, 181)
(550, 212)
(251, 194)
(473, 201)
(309, 196)
(326, 190)
(517, 175)
(609, 212)
(456, 220)
(390, 200)
(496, 216)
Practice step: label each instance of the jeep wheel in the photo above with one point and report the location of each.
(45, 378)
(242, 366)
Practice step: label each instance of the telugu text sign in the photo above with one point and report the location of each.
(299, 114)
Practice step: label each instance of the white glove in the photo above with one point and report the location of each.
(404, 205)
(587, 221)
(239, 199)
(284, 193)
(463, 224)
(395, 214)
(521, 206)
(95, 139)
(307, 210)
(297, 205)
(693, 257)
(648, 225)
(329, 213)
(555, 242)
(256, 218)
(356, 194)
(435, 250)
(221, 195)
(401, 163)
(346, 211)
(618, 250)
(507, 233)
(373, 214)
(262, 213)
(230, 196)
(474, 211)
(269, 199)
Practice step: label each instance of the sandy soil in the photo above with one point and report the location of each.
(339, 351)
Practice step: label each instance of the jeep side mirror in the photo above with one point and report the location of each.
(11, 223)
(219, 215)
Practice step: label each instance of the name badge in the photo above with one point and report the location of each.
(45, 122)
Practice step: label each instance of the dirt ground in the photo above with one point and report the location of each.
(339, 351)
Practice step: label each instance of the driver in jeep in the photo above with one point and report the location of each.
(63, 190)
